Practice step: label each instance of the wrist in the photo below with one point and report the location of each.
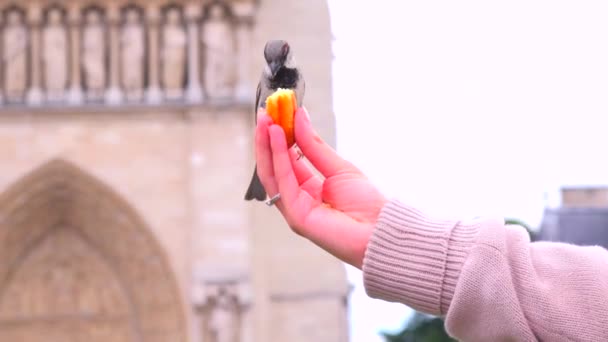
(415, 259)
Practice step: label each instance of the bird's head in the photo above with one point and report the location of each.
(278, 55)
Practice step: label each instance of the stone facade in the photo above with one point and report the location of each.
(585, 197)
(582, 218)
(125, 141)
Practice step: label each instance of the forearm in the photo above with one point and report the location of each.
(487, 279)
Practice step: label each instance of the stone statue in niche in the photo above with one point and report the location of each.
(14, 57)
(219, 56)
(132, 55)
(93, 55)
(173, 55)
(223, 321)
(55, 55)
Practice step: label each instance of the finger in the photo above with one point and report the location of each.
(263, 154)
(302, 171)
(308, 181)
(322, 156)
(283, 171)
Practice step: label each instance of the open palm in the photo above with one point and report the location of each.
(336, 210)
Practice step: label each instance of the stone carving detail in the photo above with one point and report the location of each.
(173, 56)
(186, 52)
(54, 55)
(14, 56)
(222, 306)
(132, 57)
(78, 265)
(218, 40)
(59, 278)
(223, 321)
(94, 55)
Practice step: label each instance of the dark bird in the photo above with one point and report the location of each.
(280, 71)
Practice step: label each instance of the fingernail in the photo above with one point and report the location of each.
(260, 115)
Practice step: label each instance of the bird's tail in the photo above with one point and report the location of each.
(256, 189)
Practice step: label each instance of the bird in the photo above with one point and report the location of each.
(280, 71)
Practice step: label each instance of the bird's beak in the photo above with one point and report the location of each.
(274, 68)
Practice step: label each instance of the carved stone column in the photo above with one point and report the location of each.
(114, 95)
(154, 94)
(75, 94)
(194, 93)
(244, 11)
(34, 94)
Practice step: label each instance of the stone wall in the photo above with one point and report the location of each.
(585, 197)
(76, 53)
(153, 168)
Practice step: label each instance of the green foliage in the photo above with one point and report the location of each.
(421, 328)
(522, 224)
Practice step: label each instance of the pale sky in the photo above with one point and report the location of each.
(469, 108)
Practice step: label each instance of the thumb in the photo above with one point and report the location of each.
(322, 156)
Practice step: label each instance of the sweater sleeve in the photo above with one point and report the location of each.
(487, 279)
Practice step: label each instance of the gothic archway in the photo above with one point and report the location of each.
(78, 264)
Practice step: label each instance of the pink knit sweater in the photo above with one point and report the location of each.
(488, 280)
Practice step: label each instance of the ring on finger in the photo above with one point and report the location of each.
(273, 200)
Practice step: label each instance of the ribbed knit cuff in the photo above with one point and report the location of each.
(414, 259)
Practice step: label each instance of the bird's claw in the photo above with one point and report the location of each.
(300, 154)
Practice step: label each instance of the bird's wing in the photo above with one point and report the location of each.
(257, 99)
(300, 90)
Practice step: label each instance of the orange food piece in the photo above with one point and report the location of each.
(281, 106)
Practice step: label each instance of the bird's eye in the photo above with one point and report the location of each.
(285, 49)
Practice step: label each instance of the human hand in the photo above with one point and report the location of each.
(338, 211)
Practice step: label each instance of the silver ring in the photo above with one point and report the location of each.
(273, 200)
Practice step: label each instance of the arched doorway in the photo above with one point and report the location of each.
(78, 264)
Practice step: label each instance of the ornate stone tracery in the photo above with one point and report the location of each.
(78, 53)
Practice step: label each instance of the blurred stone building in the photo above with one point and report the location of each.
(581, 219)
(125, 151)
